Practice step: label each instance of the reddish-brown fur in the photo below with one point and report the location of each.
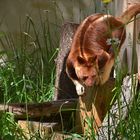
(91, 58)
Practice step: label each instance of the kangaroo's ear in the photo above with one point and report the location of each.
(102, 59)
(70, 70)
(119, 35)
(81, 60)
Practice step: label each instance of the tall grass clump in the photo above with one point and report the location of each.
(128, 127)
(27, 70)
(9, 128)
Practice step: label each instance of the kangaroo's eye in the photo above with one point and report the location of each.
(102, 61)
(84, 78)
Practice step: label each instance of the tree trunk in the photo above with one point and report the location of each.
(64, 88)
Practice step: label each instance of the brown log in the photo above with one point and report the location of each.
(43, 129)
(33, 110)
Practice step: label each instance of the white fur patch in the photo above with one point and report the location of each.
(80, 89)
(103, 18)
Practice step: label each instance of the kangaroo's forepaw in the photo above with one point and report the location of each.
(80, 89)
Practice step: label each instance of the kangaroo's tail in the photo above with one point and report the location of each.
(132, 11)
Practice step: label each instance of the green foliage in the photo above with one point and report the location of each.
(130, 127)
(28, 70)
(9, 129)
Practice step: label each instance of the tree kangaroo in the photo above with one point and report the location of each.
(92, 55)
